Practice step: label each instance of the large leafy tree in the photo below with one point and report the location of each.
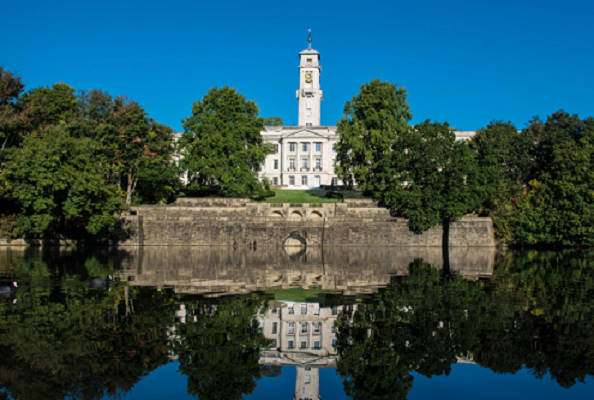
(59, 182)
(222, 146)
(136, 148)
(372, 123)
(420, 172)
(504, 154)
(433, 177)
(558, 206)
(11, 118)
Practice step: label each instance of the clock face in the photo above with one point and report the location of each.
(308, 76)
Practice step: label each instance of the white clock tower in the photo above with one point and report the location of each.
(309, 93)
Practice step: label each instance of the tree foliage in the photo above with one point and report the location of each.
(544, 178)
(421, 172)
(372, 123)
(112, 153)
(59, 182)
(222, 146)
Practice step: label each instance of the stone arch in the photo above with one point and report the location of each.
(296, 216)
(295, 240)
(277, 214)
(316, 216)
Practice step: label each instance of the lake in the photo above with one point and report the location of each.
(262, 323)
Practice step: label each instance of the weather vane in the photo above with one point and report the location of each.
(309, 39)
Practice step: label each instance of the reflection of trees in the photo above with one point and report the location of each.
(551, 328)
(218, 347)
(535, 313)
(63, 338)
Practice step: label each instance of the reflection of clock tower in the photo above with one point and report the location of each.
(309, 93)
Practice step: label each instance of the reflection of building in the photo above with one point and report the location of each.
(303, 336)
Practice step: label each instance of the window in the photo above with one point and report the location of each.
(291, 163)
(334, 162)
(304, 327)
(275, 182)
(304, 180)
(274, 328)
(291, 344)
(318, 147)
(334, 149)
(316, 327)
(333, 329)
(276, 148)
(308, 368)
(303, 344)
(309, 60)
(274, 343)
(304, 146)
(308, 97)
(307, 379)
(292, 147)
(334, 308)
(291, 309)
(333, 342)
(291, 183)
(291, 328)
(273, 310)
(318, 164)
(304, 163)
(303, 307)
(308, 124)
(308, 112)
(334, 183)
(316, 309)
(316, 344)
(275, 164)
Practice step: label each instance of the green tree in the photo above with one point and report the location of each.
(504, 155)
(559, 205)
(137, 149)
(273, 121)
(11, 118)
(59, 183)
(222, 146)
(45, 106)
(433, 177)
(372, 123)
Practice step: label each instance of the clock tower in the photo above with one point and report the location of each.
(309, 93)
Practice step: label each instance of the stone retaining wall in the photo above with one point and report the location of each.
(243, 223)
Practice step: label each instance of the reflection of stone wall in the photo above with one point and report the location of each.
(229, 270)
(353, 223)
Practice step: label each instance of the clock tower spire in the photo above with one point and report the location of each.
(309, 93)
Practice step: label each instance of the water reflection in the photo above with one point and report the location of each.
(231, 317)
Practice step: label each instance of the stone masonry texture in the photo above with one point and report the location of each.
(240, 222)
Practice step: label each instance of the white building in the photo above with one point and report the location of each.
(305, 156)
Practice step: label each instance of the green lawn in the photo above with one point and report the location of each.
(298, 295)
(309, 196)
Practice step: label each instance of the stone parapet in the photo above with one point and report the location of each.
(290, 224)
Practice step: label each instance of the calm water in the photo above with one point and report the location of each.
(340, 323)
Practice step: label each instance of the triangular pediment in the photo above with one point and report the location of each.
(304, 133)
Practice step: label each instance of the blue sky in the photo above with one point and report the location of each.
(465, 62)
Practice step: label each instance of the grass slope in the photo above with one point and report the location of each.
(309, 196)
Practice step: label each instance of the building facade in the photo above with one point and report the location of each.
(304, 155)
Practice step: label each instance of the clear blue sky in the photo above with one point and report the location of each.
(465, 62)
